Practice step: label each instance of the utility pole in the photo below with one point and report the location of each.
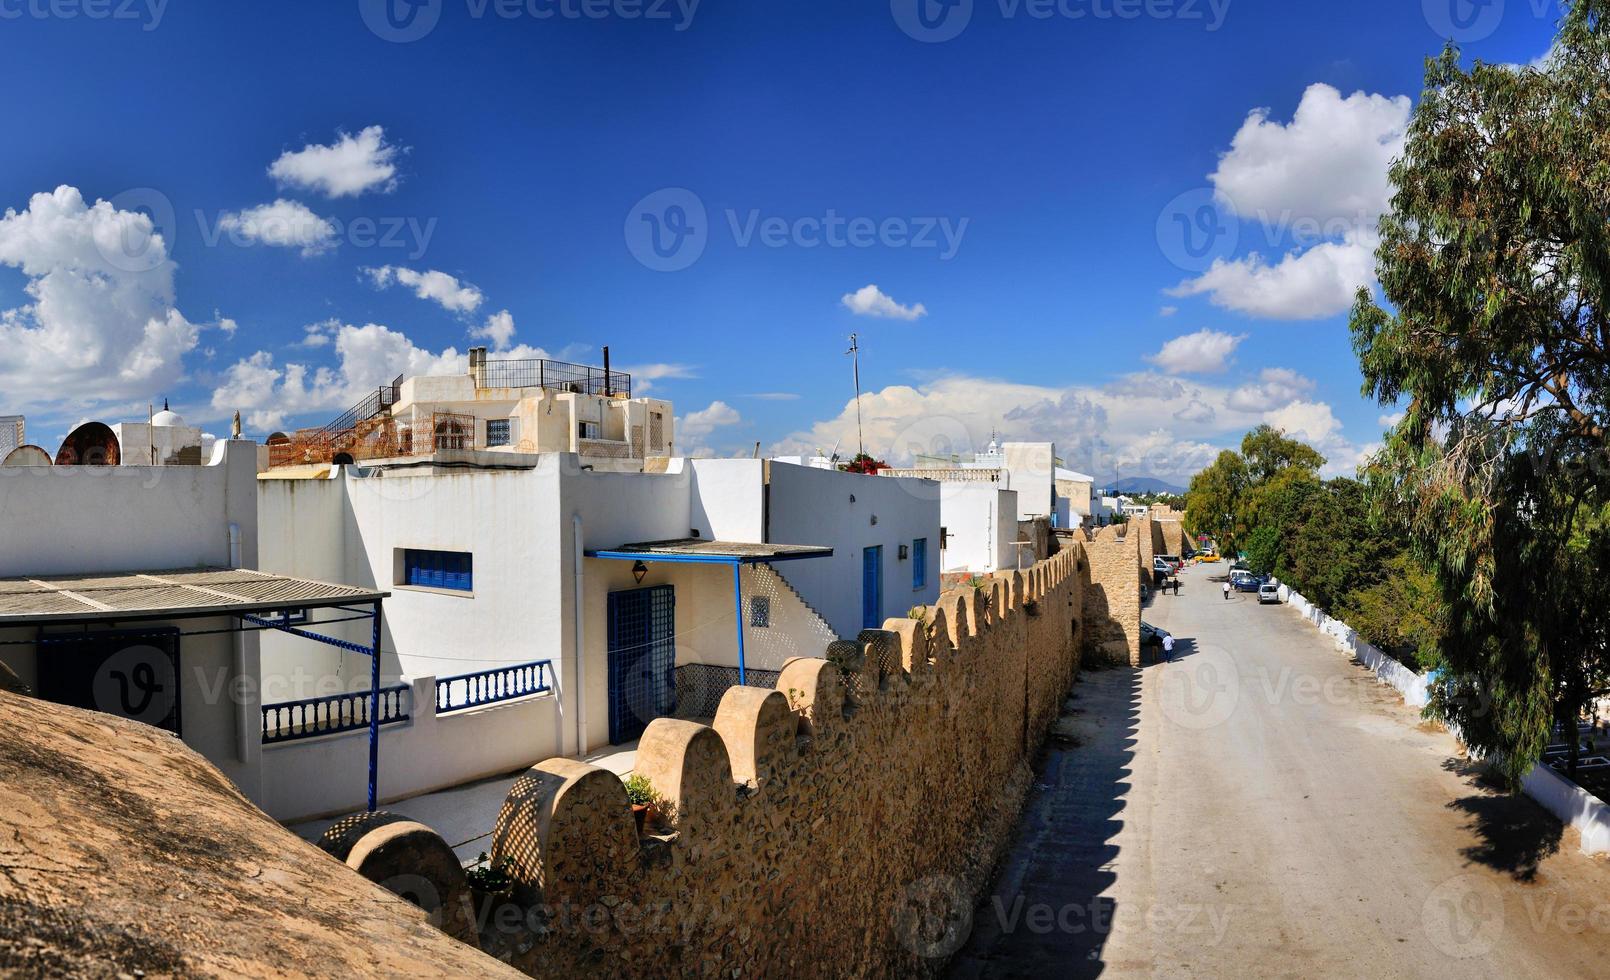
(855, 353)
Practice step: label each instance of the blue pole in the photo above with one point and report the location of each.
(374, 709)
(738, 606)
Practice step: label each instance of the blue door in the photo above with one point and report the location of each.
(872, 588)
(642, 659)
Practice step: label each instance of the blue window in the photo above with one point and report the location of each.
(438, 569)
(919, 563)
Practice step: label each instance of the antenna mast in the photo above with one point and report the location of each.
(855, 354)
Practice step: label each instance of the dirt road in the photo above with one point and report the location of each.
(1262, 807)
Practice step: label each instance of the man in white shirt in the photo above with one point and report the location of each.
(1168, 648)
(1227, 590)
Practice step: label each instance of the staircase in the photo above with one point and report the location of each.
(766, 572)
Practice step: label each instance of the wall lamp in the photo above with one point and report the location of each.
(639, 571)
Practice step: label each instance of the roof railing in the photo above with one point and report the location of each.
(553, 375)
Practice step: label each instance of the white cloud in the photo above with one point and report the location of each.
(1390, 421)
(1168, 311)
(346, 168)
(1328, 164)
(775, 396)
(872, 301)
(697, 426)
(284, 224)
(499, 329)
(1275, 389)
(1315, 424)
(100, 322)
(644, 375)
(1320, 181)
(1202, 352)
(1303, 285)
(449, 292)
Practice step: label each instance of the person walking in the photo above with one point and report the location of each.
(1227, 588)
(1168, 648)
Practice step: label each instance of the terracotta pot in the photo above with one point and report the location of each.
(640, 814)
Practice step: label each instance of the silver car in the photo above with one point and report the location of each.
(1268, 592)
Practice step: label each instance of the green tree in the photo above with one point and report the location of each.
(1213, 503)
(1495, 260)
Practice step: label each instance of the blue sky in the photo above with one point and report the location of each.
(340, 201)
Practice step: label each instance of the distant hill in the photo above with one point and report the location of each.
(1145, 484)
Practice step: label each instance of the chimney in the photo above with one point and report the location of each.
(477, 363)
(609, 389)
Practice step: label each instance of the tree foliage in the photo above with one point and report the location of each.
(1495, 260)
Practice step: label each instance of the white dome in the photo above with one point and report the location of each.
(167, 418)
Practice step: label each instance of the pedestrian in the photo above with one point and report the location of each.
(1176, 585)
(1168, 648)
(1227, 589)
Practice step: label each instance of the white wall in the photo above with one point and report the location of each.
(814, 507)
(1032, 470)
(980, 524)
(60, 520)
(727, 500)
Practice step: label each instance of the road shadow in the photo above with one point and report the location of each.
(1184, 646)
(1515, 835)
(1044, 914)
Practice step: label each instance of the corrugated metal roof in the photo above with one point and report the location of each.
(701, 548)
(146, 595)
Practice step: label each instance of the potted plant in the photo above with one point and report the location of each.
(491, 877)
(644, 798)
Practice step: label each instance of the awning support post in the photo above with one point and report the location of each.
(738, 608)
(374, 709)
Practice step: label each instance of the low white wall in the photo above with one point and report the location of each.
(1569, 802)
(326, 776)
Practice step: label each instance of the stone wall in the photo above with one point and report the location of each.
(1112, 602)
(841, 823)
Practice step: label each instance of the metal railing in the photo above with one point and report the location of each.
(492, 686)
(346, 434)
(312, 717)
(556, 375)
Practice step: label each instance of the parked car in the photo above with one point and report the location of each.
(1151, 636)
(1173, 561)
(1268, 592)
(1246, 581)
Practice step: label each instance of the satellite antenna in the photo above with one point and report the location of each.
(855, 353)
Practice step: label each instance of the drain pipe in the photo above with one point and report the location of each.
(580, 612)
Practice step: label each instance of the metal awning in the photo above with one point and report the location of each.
(133, 596)
(697, 551)
(712, 552)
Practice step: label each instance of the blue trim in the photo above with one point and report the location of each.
(324, 716)
(495, 685)
(702, 559)
(738, 614)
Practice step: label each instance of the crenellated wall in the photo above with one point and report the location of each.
(840, 824)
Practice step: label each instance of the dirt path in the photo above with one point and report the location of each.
(1262, 807)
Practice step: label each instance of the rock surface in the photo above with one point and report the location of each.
(123, 852)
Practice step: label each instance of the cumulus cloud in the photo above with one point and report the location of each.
(1202, 352)
(1168, 311)
(1162, 426)
(1391, 420)
(698, 425)
(1315, 424)
(100, 322)
(283, 224)
(1320, 181)
(644, 375)
(348, 167)
(499, 329)
(449, 292)
(1275, 388)
(872, 301)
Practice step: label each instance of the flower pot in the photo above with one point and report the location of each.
(640, 814)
